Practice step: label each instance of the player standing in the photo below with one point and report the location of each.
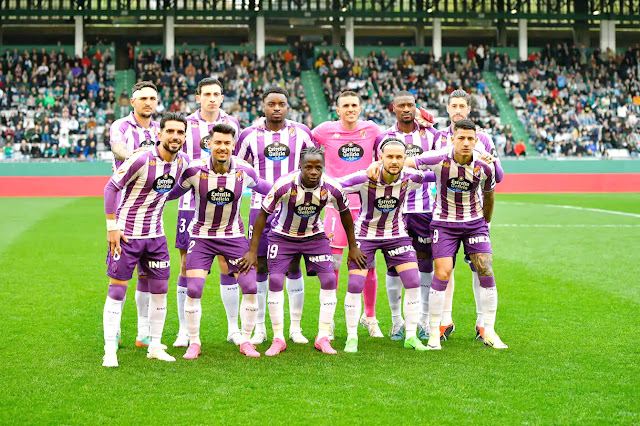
(459, 108)
(146, 178)
(128, 134)
(380, 225)
(461, 216)
(297, 230)
(273, 148)
(348, 144)
(218, 182)
(199, 124)
(417, 212)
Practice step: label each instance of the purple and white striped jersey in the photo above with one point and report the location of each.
(485, 145)
(197, 129)
(299, 214)
(273, 154)
(380, 215)
(129, 132)
(418, 141)
(218, 196)
(457, 185)
(146, 179)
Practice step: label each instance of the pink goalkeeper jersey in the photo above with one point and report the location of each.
(146, 180)
(197, 129)
(457, 185)
(347, 151)
(299, 215)
(418, 141)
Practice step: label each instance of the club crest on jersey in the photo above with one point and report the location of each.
(238, 176)
(386, 204)
(459, 184)
(413, 150)
(164, 183)
(404, 184)
(351, 152)
(476, 171)
(306, 210)
(292, 130)
(276, 151)
(220, 196)
(323, 194)
(363, 134)
(146, 143)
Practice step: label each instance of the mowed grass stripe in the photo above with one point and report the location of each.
(556, 313)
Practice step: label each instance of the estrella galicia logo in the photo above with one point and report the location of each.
(204, 144)
(164, 183)
(276, 151)
(351, 152)
(386, 204)
(220, 196)
(413, 150)
(306, 210)
(147, 143)
(459, 184)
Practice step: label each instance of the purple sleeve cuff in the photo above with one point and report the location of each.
(263, 187)
(111, 198)
(177, 192)
(429, 176)
(499, 171)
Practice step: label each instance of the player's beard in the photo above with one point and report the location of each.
(167, 145)
(393, 173)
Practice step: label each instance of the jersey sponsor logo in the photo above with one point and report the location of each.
(386, 204)
(459, 184)
(204, 175)
(220, 196)
(164, 183)
(204, 142)
(276, 151)
(234, 262)
(401, 250)
(413, 150)
(424, 240)
(158, 264)
(152, 162)
(446, 164)
(351, 152)
(321, 258)
(147, 142)
(306, 210)
(479, 239)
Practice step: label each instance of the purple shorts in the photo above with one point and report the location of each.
(396, 251)
(447, 236)
(315, 249)
(418, 229)
(151, 254)
(202, 251)
(183, 230)
(262, 247)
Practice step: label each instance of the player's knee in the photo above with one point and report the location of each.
(410, 278)
(425, 265)
(157, 286)
(487, 281)
(327, 281)
(117, 291)
(143, 283)
(337, 261)
(443, 274)
(248, 283)
(356, 283)
(295, 274)
(195, 286)
(276, 282)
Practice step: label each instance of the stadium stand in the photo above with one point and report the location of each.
(576, 102)
(55, 105)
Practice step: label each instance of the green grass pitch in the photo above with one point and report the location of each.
(569, 310)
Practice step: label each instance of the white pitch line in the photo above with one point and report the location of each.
(553, 225)
(560, 206)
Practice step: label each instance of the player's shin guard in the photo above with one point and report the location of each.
(157, 310)
(142, 297)
(112, 315)
(436, 304)
(230, 296)
(248, 314)
(352, 312)
(275, 302)
(425, 266)
(394, 294)
(446, 318)
(411, 282)
(478, 298)
(370, 293)
(337, 263)
(328, 303)
(263, 288)
(295, 291)
(489, 299)
(181, 294)
(193, 308)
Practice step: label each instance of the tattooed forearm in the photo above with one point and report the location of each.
(483, 262)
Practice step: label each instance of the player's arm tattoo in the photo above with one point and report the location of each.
(120, 151)
(483, 262)
(487, 205)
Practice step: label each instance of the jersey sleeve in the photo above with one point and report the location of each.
(185, 179)
(376, 146)
(242, 146)
(490, 180)
(131, 168)
(254, 182)
(339, 198)
(415, 178)
(490, 147)
(316, 135)
(273, 197)
(353, 182)
(117, 134)
(429, 159)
